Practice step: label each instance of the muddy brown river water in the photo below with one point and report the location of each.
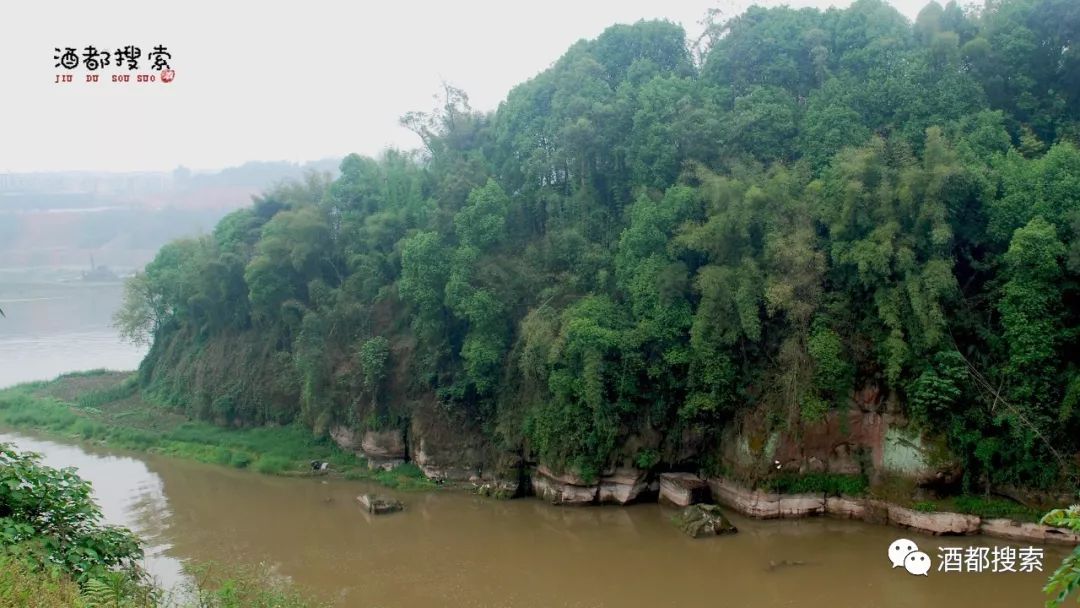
(454, 549)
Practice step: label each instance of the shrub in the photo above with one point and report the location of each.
(50, 517)
(407, 476)
(88, 429)
(273, 464)
(992, 508)
(828, 483)
(239, 460)
(24, 585)
(647, 458)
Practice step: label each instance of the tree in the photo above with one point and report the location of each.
(1066, 579)
(1030, 314)
(140, 316)
(639, 247)
(49, 517)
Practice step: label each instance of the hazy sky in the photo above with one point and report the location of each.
(281, 80)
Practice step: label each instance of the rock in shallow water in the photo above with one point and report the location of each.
(379, 505)
(700, 520)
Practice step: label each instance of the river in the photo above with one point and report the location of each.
(54, 327)
(455, 549)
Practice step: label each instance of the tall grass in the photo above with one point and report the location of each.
(22, 586)
(274, 449)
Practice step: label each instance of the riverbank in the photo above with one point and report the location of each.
(768, 505)
(458, 549)
(105, 407)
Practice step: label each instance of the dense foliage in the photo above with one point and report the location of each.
(48, 516)
(1065, 581)
(650, 237)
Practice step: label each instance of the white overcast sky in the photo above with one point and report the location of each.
(282, 80)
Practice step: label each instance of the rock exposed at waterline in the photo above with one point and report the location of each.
(1028, 532)
(768, 505)
(450, 450)
(801, 505)
(563, 489)
(622, 486)
(379, 505)
(754, 503)
(942, 523)
(682, 489)
(844, 507)
(700, 520)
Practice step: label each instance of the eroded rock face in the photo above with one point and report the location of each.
(697, 521)
(871, 437)
(622, 486)
(384, 444)
(384, 449)
(754, 503)
(563, 489)
(844, 507)
(449, 450)
(443, 469)
(934, 523)
(682, 489)
(801, 505)
(344, 437)
(766, 505)
(1028, 532)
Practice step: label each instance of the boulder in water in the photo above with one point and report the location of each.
(702, 520)
(379, 505)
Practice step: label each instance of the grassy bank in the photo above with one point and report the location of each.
(107, 408)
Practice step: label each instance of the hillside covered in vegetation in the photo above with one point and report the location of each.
(657, 237)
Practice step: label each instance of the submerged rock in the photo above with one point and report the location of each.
(501, 490)
(701, 520)
(775, 565)
(379, 505)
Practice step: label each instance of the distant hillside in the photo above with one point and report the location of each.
(60, 219)
(840, 243)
